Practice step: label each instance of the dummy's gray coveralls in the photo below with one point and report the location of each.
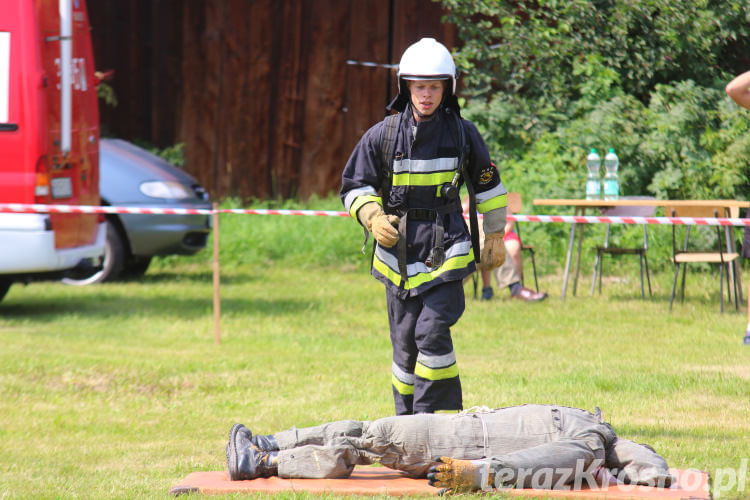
(529, 437)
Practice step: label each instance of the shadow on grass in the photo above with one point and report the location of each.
(116, 306)
(194, 277)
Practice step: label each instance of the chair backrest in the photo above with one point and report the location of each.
(694, 211)
(699, 211)
(515, 205)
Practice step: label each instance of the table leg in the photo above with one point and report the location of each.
(578, 259)
(567, 259)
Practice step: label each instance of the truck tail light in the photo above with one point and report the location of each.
(42, 182)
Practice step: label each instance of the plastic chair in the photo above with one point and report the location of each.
(640, 251)
(715, 255)
(515, 206)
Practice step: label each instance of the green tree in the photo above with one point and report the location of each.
(550, 79)
(531, 47)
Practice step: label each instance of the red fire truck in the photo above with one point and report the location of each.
(49, 138)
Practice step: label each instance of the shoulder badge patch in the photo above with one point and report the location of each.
(486, 174)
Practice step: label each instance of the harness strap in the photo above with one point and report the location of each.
(389, 142)
(386, 166)
(436, 256)
(401, 249)
(473, 220)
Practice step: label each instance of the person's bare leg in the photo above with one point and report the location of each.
(513, 250)
(508, 275)
(487, 292)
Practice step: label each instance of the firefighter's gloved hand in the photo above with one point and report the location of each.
(493, 252)
(384, 230)
(367, 212)
(379, 224)
(459, 476)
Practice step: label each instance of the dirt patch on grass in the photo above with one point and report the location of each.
(741, 371)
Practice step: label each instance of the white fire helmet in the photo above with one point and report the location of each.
(427, 59)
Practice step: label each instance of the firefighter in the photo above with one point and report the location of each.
(541, 446)
(409, 201)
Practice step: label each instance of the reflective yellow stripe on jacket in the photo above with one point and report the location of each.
(456, 257)
(497, 197)
(434, 172)
(355, 198)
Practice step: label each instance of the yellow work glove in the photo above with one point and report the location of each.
(379, 224)
(382, 227)
(493, 253)
(459, 476)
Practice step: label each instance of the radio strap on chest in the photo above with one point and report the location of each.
(436, 256)
(389, 143)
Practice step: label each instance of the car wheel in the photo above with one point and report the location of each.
(110, 267)
(4, 286)
(137, 267)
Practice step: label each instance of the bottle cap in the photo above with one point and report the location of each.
(611, 150)
(593, 150)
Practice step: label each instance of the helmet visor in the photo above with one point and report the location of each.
(426, 77)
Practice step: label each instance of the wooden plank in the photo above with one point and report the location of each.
(322, 154)
(380, 481)
(713, 257)
(259, 92)
(366, 93)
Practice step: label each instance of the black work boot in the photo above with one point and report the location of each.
(245, 460)
(265, 443)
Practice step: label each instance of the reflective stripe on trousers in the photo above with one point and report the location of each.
(425, 375)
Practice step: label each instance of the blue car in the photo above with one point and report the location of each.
(131, 176)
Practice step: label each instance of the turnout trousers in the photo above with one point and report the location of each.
(524, 444)
(424, 371)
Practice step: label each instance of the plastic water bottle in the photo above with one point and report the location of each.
(593, 181)
(611, 181)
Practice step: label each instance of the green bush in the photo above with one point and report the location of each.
(532, 47)
(690, 142)
(548, 80)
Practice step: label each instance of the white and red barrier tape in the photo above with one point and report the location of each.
(570, 219)
(31, 208)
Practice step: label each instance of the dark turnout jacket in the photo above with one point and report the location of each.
(425, 158)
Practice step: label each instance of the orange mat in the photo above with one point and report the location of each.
(691, 484)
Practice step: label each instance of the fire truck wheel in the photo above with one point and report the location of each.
(108, 269)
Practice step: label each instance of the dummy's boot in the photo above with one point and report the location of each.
(265, 443)
(245, 460)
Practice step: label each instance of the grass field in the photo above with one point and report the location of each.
(119, 391)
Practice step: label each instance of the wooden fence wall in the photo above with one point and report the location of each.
(259, 91)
